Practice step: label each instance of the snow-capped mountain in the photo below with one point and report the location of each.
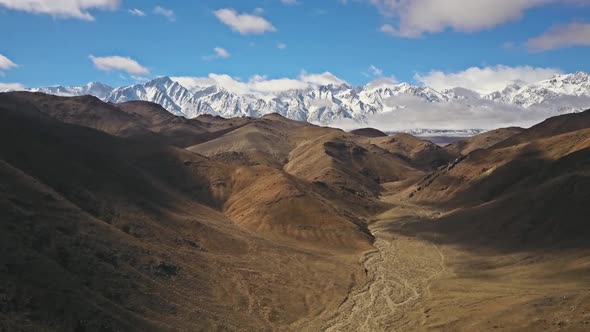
(96, 89)
(575, 85)
(325, 104)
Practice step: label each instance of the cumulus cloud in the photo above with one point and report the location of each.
(78, 9)
(5, 87)
(6, 63)
(560, 36)
(258, 84)
(290, 2)
(119, 63)
(136, 12)
(245, 24)
(487, 79)
(416, 17)
(281, 46)
(167, 13)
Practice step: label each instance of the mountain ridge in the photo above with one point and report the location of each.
(326, 104)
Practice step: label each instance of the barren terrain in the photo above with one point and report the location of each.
(117, 217)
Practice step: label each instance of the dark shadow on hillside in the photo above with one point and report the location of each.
(528, 204)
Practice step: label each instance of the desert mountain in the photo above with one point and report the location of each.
(123, 216)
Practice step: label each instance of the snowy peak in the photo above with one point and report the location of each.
(577, 84)
(328, 103)
(546, 91)
(93, 88)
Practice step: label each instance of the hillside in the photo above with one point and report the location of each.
(483, 141)
(419, 153)
(368, 132)
(125, 232)
(535, 181)
(125, 217)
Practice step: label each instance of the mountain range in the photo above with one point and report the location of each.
(325, 104)
(125, 217)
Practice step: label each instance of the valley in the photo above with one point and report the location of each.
(295, 166)
(127, 217)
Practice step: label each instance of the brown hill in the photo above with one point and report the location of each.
(368, 132)
(264, 141)
(421, 154)
(339, 161)
(136, 119)
(87, 111)
(551, 127)
(106, 233)
(535, 188)
(483, 141)
(311, 153)
(270, 201)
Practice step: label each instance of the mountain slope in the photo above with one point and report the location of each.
(109, 233)
(419, 153)
(536, 182)
(483, 141)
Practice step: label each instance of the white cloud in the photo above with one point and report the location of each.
(388, 29)
(167, 13)
(61, 8)
(6, 63)
(244, 24)
(5, 87)
(136, 12)
(573, 34)
(381, 82)
(375, 71)
(281, 46)
(320, 79)
(221, 52)
(416, 17)
(258, 84)
(119, 63)
(140, 79)
(290, 2)
(262, 84)
(486, 79)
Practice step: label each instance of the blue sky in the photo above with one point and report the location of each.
(399, 38)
